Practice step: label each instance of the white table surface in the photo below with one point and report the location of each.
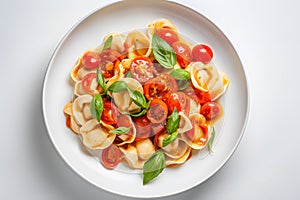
(266, 164)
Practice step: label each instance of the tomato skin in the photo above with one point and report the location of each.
(168, 35)
(158, 128)
(123, 121)
(141, 69)
(202, 53)
(111, 156)
(87, 81)
(110, 113)
(172, 101)
(158, 111)
(90, 60)
(203, 97)
(169, 82)
(210, 110)
(183, 53)
(184, 102)
(108, 59)
(153, 90)
(143, 127)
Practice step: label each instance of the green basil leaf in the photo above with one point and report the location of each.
(163, 52)
(107, 43)
(143, 112)
(182, 84)
(96, 107)
(129, 75)
(211, 141)
(181, 74)
(120, 130)
(154, 166)
(170, 139)
(118, 86)
(101, 80)
(173, 122)
(138, 98)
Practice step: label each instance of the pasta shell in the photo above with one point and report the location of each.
(80, 109)
(122, 99)
(118, 74)
(79, 71)
(95, 135)
(180, 160)
(158, 24)
(138, 44)
(145, 149)
(117, 42)
(184, 124)
(78, 90)
(131, 156)
(208, 79)
(128, 138)
(68, 111)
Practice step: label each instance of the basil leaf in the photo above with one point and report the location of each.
(170, 139)
(163, 52)
(120, 130)
(107, 43)
(181, 74)
(101, 80)
(182, 84)
(154, 166)
(138, 98)
(118, 86)
(143, 112)
(173, 122)
(96, 107)
(211, 141)
(129, 75)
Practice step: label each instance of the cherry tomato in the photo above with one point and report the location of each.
(153, 90)
(158, 69)
(111, 156)
(210, 110)
(202, 53)
(184, 102)
(87, 81)
(108, 59)
(168, 35)
(203, 97)
(123, 121)
(142, 69)
(143, 127)
(168, 81)
(172, 101)
(91, 60)
(183, 53)
(159, 128)
(110, 113)
(158, 111)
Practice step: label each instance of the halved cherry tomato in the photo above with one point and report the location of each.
(202, 53)
(154, 89)
(168, 80)
(183, 53)
(184, 102)
(210, 110)
(168, 35)
(87, 81)
(158, 69)
(91, 60)
(143, 127)
(108, 59)
(110, 113)
(141, 69)
(172, 101)
(123, 121)
(111, 156)
(158, 111)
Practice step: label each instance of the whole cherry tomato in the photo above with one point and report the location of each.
(111, 156)
(202, 53)
(141, 69)
(210, 110)
(168, 35)
(183, 53)
(91, 60)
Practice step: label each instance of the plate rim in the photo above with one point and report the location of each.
(62, 39)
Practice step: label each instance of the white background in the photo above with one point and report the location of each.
(266, 164)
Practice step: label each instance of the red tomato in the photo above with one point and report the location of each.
(168, 35)
(203, 97)
(202, 53)
(153, 90)
(87, 81)
(183, 53)
(158, 69)
(172, 101)
(210, 110)
(204, 135)
(184, 102)
(159, 128)
(158, 111)
(123, 121)
(143, 126)
(91, 60)
(168, 81)
(141, 69)
(110, 113)
(108, 59)
(111, 156)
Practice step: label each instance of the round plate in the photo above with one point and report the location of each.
(123, 17)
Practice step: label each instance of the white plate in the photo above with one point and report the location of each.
(122, 17)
